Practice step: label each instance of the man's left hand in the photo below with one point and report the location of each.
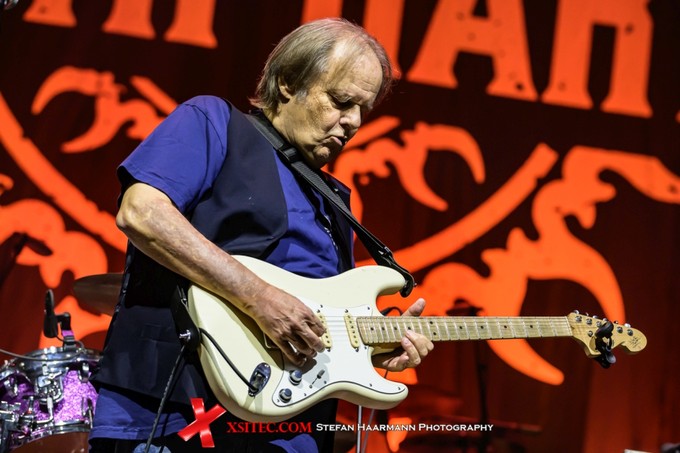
(414, 346)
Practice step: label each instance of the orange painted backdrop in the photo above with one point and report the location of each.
(526, 164)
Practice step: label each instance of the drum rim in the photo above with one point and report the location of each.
(52, 430)
(40, 355)
(50, 361)
(53, 357)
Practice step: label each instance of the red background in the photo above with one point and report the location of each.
(582, 93)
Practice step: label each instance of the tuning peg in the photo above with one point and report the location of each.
(605, 331)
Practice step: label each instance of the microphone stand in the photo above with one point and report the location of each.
(485, 439)
(481, 369)
(53, 322)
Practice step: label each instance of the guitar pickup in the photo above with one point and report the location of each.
(326, 337)
(352, 331)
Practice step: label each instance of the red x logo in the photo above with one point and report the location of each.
(202, 423)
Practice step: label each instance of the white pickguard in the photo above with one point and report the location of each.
(342, 365)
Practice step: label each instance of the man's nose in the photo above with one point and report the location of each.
(351, 117)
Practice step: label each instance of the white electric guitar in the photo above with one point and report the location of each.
(273, 389)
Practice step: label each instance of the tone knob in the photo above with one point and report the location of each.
(285, 395)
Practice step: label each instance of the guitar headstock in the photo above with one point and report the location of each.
(599, 336)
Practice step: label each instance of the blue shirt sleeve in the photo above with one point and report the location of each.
(184, 154)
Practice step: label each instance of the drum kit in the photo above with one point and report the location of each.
(46, 398)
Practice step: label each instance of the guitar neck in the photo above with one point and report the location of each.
(382, 330)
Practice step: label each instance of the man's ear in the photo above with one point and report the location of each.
(285, 93)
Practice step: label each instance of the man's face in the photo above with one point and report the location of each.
(321, 121)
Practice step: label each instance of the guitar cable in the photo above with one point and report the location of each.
(166, 393)
(192, 336)
(251, 387)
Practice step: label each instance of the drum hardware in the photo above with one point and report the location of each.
(49, 389)
(87, 410)
(8, 421)
(47, 393)
(8, 412)
(9, 386)
(46, 397)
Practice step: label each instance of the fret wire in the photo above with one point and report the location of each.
(456, 329)
(501, 327)
(513, 333)
(429, 330)
(379, 330)
(481, 333)
(362, 330)
(405, 327)
(395, 331)
(446, 327)
(464, 330)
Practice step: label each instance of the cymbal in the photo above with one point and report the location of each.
(99, 292)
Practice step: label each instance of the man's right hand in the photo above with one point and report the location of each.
(289, 323)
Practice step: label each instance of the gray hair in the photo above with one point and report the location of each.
(302, 57)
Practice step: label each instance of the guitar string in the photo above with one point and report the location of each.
(527, 326)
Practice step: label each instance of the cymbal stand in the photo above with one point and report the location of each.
(482, 374)
(466, 309)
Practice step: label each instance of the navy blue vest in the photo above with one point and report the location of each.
(244, 213)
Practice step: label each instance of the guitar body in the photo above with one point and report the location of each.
(343, 370)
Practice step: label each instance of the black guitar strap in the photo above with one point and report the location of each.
(379, 251)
